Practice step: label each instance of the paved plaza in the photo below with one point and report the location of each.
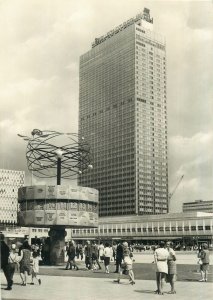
(81, 288)
(59, 284)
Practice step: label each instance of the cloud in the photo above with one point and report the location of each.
(202, 16)
(41, 42)
(191, 157)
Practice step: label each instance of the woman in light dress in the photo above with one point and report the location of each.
(160, 256)
(172, 269)
(101, 252)
(107, 257)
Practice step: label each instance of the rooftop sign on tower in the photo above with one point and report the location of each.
(142, 16)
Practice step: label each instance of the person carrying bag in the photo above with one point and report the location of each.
(13, 265)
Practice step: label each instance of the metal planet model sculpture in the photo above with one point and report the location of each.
(57, 206)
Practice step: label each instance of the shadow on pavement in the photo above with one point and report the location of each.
(145, 291)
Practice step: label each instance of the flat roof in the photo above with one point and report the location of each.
(151, 218)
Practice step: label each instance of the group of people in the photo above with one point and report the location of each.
(25, 260)
(95, 254)
(166, 270)
(165, 260)
(121, 253)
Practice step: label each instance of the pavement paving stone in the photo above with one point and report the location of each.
(81, 288)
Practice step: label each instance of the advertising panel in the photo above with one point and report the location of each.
(39, 204)
(62, 217)
(82, 218)
(30, 192)
(86, 194)
(26, 217)
(73, 193)
(50, 217)
(82, 193)
(91, 194)
(50, 205)
(62, 192)
(40, 192)
(51, 191)
(72, 218)
(39, 217)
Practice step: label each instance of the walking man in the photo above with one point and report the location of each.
(5, 252)
(118, 257)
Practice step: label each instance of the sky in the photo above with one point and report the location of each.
(41, 42)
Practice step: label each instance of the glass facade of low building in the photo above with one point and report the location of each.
(123, 116)
(155, 227)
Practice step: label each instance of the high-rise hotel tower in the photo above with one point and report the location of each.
(123, 115)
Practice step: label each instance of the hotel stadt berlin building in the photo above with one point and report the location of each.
(123, 116)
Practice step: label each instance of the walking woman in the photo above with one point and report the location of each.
(107, 257)
(204, 266)
(161, 255)
(126, 267)
(25, 263)
(172, 269)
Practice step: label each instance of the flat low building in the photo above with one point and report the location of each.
(193, 225)
(198, 205)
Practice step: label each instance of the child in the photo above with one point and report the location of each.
(35, 265)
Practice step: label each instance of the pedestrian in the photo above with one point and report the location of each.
(71, 252)
(204, 258)
(88, 255)
(13, 265)
(95, 254)
(107, 257)
(5, 252)
(101, 252)
(127, 265)
(25, 262)
(79, 251)
(35, 264)
(172, 269)
(114, 249)
(118, 257)
(65, 251)
(45, 254)
(160, 256)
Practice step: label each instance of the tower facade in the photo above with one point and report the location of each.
(10, 182)
(123, 116)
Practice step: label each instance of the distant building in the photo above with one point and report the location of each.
(10, 182)
(190, 228)
(123, 116)
(198, 205)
